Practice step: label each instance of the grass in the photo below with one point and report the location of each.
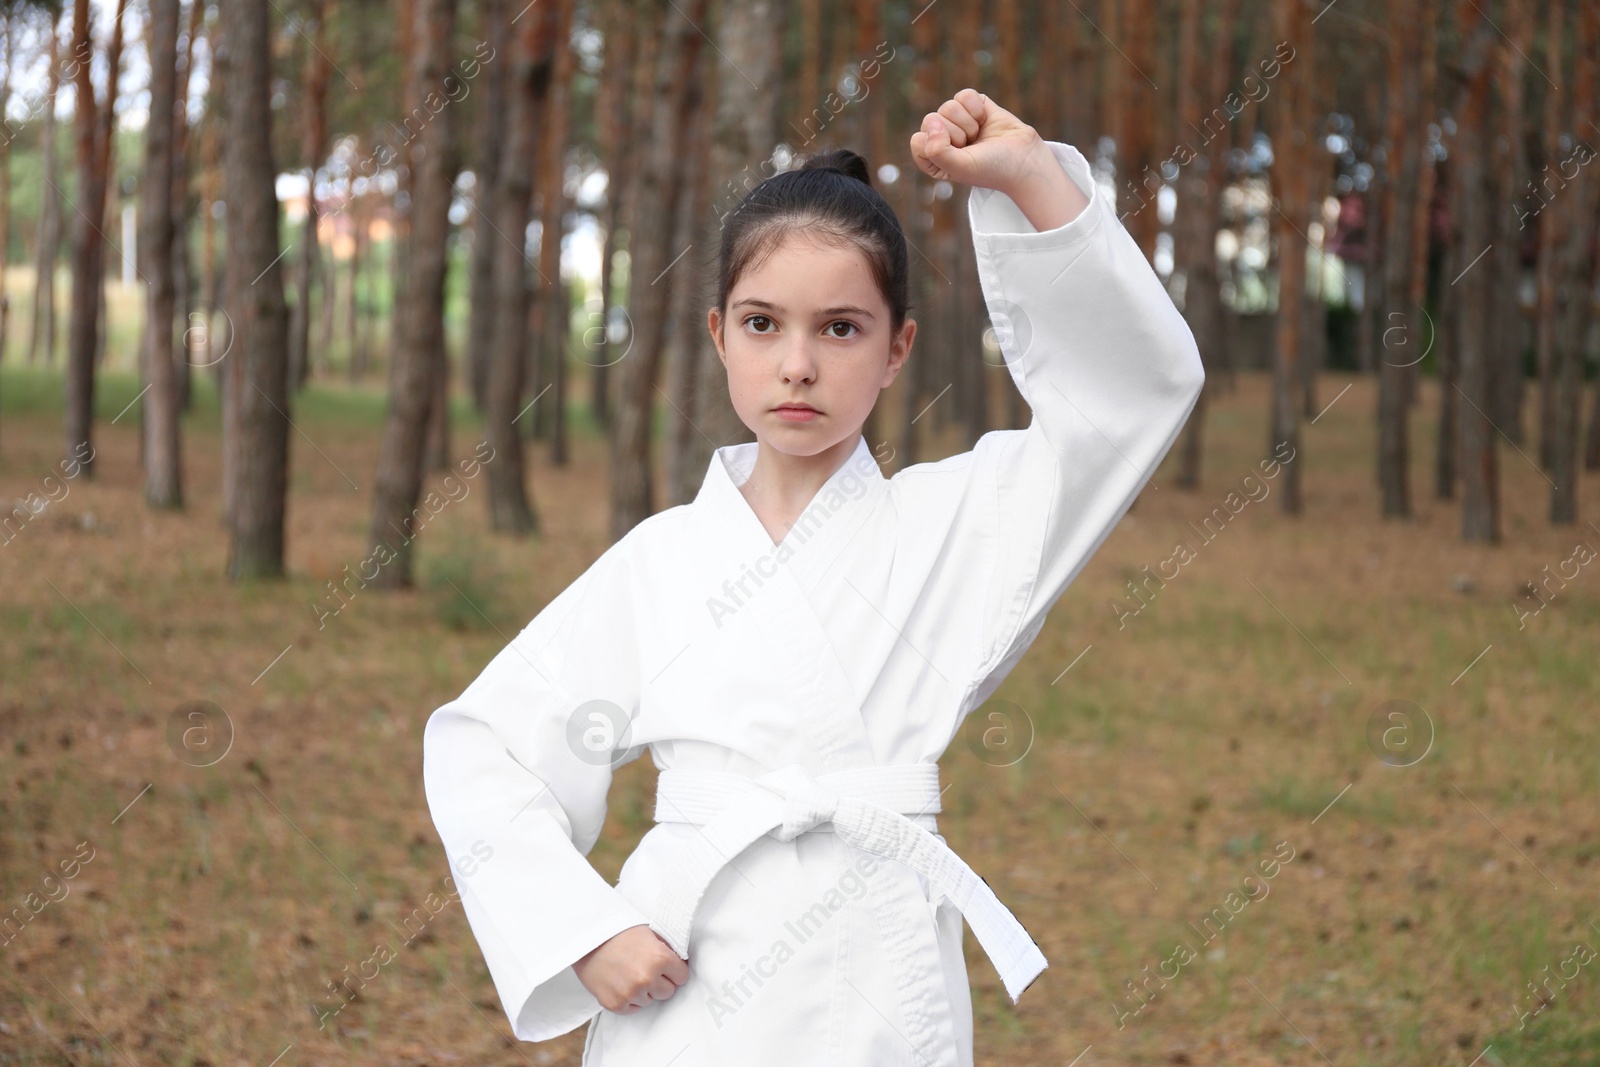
(1229, 718)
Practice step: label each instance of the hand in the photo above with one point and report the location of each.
(632, 969)
(973, 140)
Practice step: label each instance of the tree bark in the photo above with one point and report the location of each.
(255, 297)
(1480, 473)
(314, 119)
(628, 56)
(1289, 168)
(163, 470)
(1548, 236)
(44, 293)
(490, 121)
(1199, 187)
(550, 303)
(510, 509)
(182, 275)
(92, 120)
(420, 343)
(1577, 271)
(653, 244)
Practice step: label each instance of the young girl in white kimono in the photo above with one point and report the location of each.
(798, 646)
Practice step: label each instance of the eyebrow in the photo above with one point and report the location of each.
(843, 309)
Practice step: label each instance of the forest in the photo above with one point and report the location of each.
(338, 336)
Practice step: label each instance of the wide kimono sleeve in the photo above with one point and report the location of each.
(516, 771)
(1110, 370)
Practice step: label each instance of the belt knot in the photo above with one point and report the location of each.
(807, 803)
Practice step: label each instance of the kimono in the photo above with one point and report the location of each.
(796, 698)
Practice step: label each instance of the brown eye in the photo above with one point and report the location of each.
(843, 336)
(756, 318)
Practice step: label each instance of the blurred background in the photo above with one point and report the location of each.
(337, 337)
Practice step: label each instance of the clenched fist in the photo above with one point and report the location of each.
(632, 969)
(973, 140)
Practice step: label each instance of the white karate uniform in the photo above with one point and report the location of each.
(797, 697)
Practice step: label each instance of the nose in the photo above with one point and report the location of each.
(799, 363)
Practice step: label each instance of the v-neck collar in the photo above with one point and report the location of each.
(834, 511)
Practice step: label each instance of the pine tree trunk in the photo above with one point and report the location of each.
(549, 413)
(314, 119)
(510, 508)
(163, 487)
(420, 342)
(1480, 475)
(1289, 167)
(260, 316)
(490, 119)
(1577, 270)
(654, 244)
(88, 244)
(1531, 209)
(182, 276)
(44, 292)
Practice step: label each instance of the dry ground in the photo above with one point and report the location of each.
(1228, 723)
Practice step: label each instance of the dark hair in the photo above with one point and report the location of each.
(828, 196)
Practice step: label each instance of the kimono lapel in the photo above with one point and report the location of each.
(764, 585)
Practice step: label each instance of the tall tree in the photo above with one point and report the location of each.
(1509, 161)
(1474, 193)
(510, 509)
(549, 414)
(163, 453)
(1404, 198)
(1199, 187)
(256, 304)
(1577, 272)
(93, 126)
(314, 147)
(490, 120)
(1547, 234)
(43, 330)
(420, 344)
(653, 244)
(629, 59)
(1290, 170)
(182, 273)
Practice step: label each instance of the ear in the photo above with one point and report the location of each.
(899, 352)
(714, 324)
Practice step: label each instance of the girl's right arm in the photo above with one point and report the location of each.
(516, 771)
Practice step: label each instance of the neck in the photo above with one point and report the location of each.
(786, 483)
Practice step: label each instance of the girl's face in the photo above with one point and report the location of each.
(808, 327)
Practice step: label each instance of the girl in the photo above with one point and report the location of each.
(797, 647)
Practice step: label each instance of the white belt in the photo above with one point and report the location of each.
(867, 807)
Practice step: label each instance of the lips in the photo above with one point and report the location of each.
(796, 412)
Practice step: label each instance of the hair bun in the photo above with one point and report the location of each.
(842, 160)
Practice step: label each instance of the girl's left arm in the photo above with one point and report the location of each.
(1111, 371)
